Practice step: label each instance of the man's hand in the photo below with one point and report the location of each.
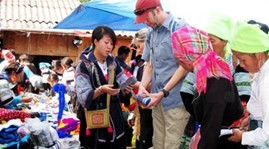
(143, 91)
(155, 99)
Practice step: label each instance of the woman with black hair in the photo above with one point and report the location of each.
(12, 75)
(93, 88)
(251, 46)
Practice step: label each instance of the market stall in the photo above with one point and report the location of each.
(37, 124)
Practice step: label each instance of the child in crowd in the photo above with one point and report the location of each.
(60, 89)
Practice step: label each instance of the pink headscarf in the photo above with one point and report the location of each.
(193, 46)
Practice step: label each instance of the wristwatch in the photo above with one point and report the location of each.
(165, 92)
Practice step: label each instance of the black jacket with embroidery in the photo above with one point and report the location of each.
(86, 83)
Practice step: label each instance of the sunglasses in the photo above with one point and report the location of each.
(141, 11)
(19, 69)
(133, 46)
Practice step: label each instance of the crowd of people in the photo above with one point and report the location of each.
(25, 90)
(200, 83)
(23, 76)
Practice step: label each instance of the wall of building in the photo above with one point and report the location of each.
(51, 44)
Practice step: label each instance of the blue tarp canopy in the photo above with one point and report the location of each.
(117, 15)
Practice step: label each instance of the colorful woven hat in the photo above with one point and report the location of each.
(249, 38)
(192, 45)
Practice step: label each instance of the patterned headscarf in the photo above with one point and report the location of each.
(193, 46)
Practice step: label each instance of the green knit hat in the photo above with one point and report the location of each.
(220, 26)
(249, 38)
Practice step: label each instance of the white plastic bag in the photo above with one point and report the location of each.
(42, 134)
(36, 81)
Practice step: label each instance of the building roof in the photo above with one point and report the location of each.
(40, 16)
(34, 14)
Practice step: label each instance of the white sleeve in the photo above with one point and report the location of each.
(260, 135)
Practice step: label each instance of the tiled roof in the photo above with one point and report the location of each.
(34, 14)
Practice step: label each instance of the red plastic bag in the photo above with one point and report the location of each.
(195, 140)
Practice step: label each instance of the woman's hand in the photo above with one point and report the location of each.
(131, 120)
(26, 99)
(108, 89)
(244, 124)
(66, 87)
(128, 89)
(237, 135)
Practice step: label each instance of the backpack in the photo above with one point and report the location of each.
(173, 26)
(176, 24)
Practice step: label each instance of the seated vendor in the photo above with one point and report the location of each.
(11, 75)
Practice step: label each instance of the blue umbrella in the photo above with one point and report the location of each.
(116, 15)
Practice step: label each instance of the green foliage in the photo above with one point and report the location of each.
(185, 143)
(84, 1)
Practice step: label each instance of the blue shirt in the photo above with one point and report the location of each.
(163, 61)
